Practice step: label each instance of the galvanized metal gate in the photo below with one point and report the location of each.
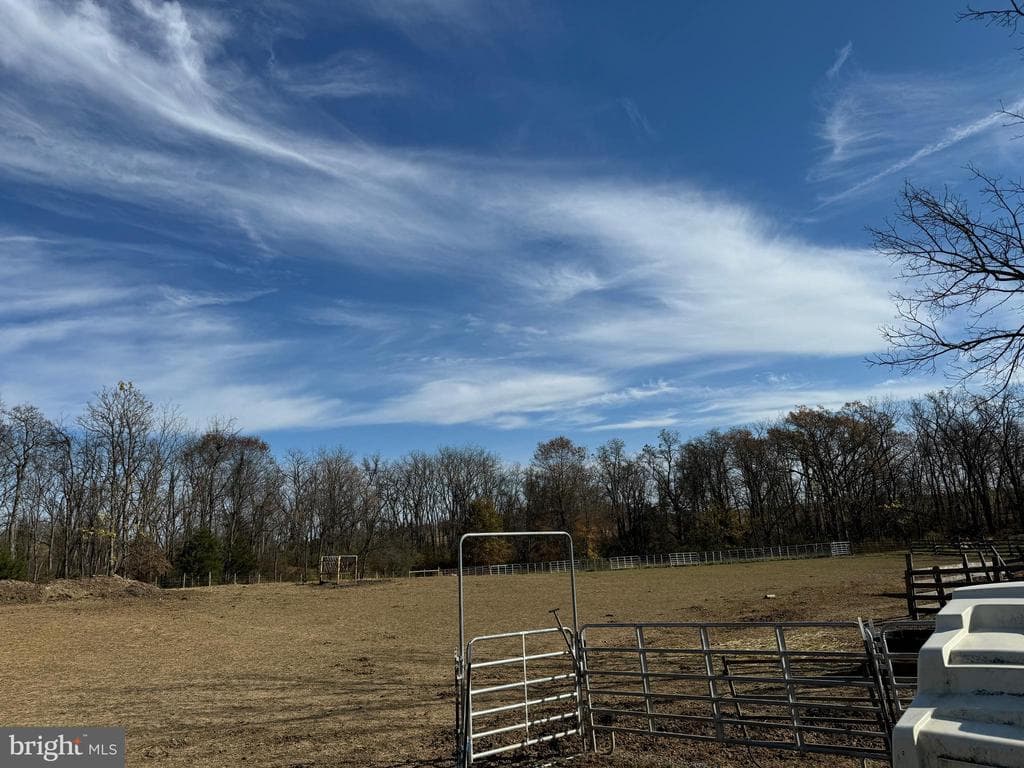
(821, 687)
(521, 689)
(762, 685)
(516, 690)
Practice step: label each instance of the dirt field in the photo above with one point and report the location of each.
(313, 677)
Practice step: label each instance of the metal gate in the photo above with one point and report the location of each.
(768, 685)
(898, 644)
(516, 690)
(820, 687)
(762, 685)
(521, 689)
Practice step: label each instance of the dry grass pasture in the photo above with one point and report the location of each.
(287, 676)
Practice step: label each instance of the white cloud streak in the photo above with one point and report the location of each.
(841, 56)
(747, 404)
(71, 326)
(877, 126)
(632, 275)
(484, 395)
(344, 75)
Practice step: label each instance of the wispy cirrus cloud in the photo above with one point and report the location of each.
(578, 282)
(430, 22)
(841, 57)
(664, 420)
(699, 275)
(485, 395)
(74, 319)
(877, 126)
(637, 118)
(344, 75)
(185, 299)
(750, 403)
(703, 407)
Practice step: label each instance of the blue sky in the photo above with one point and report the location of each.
(422, 222)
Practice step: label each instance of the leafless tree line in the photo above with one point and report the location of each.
(125, 489)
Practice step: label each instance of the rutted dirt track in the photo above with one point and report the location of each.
(288, 675)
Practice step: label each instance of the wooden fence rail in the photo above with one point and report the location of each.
(930, 588)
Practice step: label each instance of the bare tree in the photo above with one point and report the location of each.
(121, 420)
(965, 273)
(964, 269)
(626, 485)
(662, 461)
(25, 438)
(561, 492)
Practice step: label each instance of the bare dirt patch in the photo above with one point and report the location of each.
(286, 675)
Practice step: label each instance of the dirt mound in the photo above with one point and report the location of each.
(19, 591)
(107, 587)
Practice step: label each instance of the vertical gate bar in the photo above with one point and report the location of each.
(780, 639)
(584, 672)
(642, 650)
(888, 713)
(709, 668)
(526, 693)
(732, 693)
(458, 710)
(468, 714)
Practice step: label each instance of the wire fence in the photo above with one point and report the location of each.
(309, 576)
(672, 560)
(624, 562)
(211, 579)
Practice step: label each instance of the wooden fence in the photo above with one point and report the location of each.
(950, 566)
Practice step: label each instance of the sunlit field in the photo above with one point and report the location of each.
(289, 675)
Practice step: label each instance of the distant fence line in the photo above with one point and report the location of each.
(1010, 545)
(675, 559)
(210, 579)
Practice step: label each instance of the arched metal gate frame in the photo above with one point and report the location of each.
(536, 691)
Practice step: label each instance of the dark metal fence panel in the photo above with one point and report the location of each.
(898, 644)
(763, 685)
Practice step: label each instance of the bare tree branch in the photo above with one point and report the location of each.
(1008, 18)
(964, 273)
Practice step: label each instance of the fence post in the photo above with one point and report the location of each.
(994, 576)
(940, 589)
(209, 578)
(911, 594)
